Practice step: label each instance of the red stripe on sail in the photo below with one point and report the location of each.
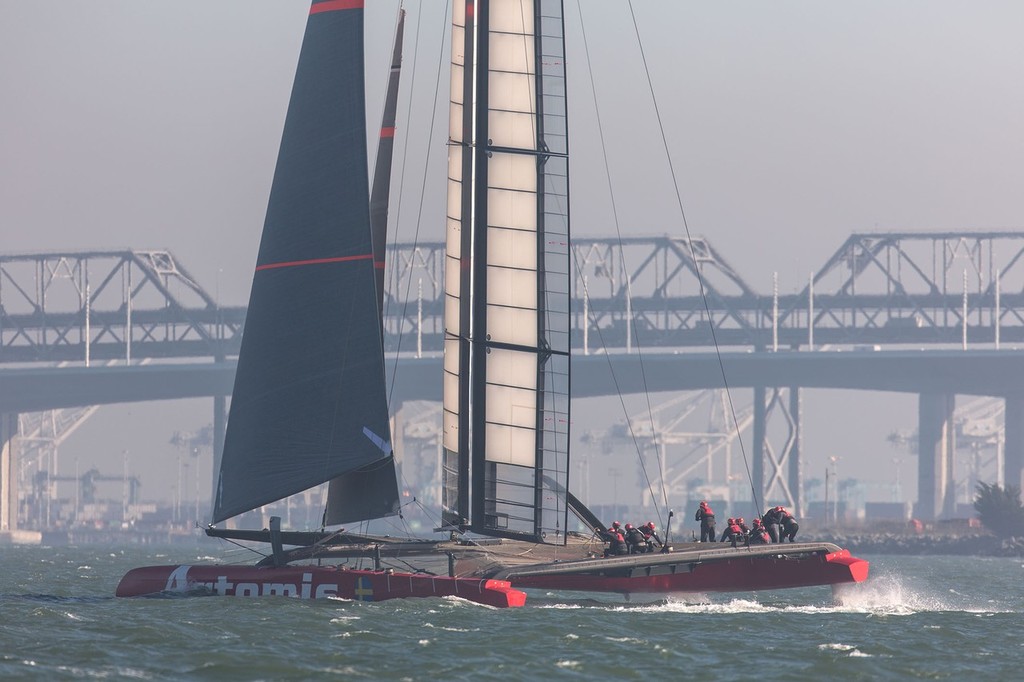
(378, 264)
(387, 132)
(333, 5)
(312, 261)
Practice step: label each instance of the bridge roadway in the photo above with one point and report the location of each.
(973, 372)
(936, 375)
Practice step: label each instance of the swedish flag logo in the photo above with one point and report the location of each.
(364, 589)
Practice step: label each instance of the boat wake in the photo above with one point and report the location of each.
(885, 595)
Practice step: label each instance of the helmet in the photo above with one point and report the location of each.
(629, 526)
(780, 508)
(757, 522)
(739, 519)
(615, 524)
(650, 524)
(731, 521)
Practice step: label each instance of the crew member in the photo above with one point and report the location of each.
(771, 520)
(757, 535)
(616, 541)
(732, 533)
(789, 526)
(706, 516)
(651, 535)
(742, 524)
(636, 540)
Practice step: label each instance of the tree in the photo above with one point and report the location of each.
(1000, 509)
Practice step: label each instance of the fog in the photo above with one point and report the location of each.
(787, 126)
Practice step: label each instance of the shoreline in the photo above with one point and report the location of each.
(925, 544)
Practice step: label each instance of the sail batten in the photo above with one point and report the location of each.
(310, 379)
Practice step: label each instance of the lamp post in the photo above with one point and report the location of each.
(835, 482)
(897, 492)
(615, 475)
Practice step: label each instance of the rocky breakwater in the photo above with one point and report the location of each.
(972, 544)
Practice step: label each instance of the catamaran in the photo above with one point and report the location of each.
(309, 403)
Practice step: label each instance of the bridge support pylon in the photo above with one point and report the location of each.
(776, 469)
(8, 471)
(936, 447)
(1013, 450)
(220, 423)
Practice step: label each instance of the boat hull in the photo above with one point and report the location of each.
(738, 571)
(311, 582)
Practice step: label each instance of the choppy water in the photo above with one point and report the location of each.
(917, 617)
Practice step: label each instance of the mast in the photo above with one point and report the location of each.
(516, 322)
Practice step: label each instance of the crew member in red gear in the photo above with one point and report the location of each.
(789, 526)
(636, 540)
(706, 516)
(616, 540)
(758, 535)
(651, 535)
(732, 532)
(771, 520)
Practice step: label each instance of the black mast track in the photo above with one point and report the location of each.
(538, 97)
(467, 260)
(478, 362)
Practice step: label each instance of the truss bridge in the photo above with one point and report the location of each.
(937, 314)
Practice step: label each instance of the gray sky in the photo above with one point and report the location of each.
(144, 124)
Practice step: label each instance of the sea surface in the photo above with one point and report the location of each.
(916, 618)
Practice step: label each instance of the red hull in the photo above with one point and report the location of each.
(731, 574)
(313, 582)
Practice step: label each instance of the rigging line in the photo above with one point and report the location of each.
(432, 516)
(419, 216)
(643, 378)
(622, 403)
(405, 155)
(409, 565)
(618, 232)
(398, 212)
(536, 70)
(245, 547)
(364, 529)
(693, 257)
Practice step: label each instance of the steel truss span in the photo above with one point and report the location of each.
(918, 289)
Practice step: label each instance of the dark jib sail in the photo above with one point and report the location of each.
(309, 399)
(507, 286)
(371, 492)
(380, 192)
